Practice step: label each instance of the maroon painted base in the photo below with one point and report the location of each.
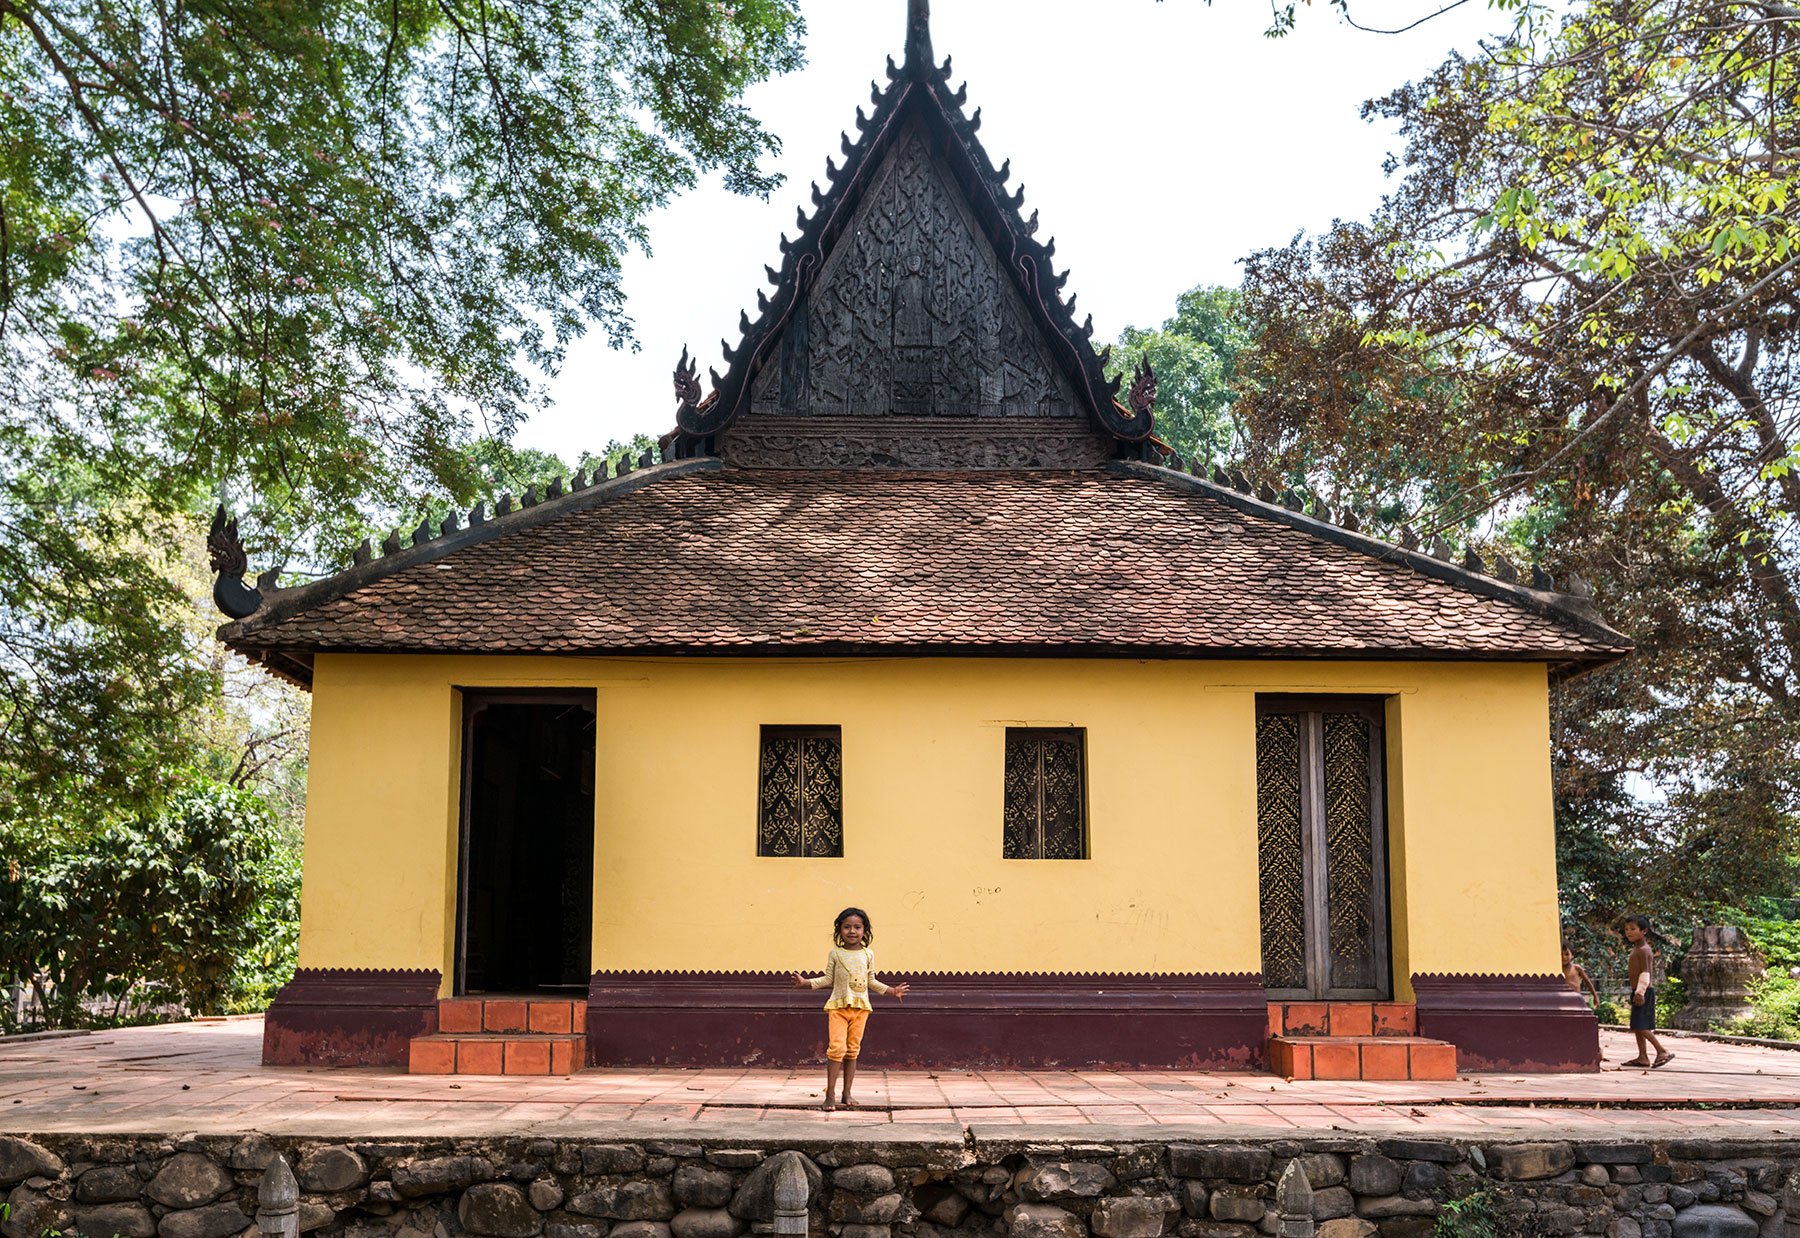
(1535, 1024)
(349, 1017)
(1196, 1022)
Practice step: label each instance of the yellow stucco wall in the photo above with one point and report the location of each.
(1170, 885)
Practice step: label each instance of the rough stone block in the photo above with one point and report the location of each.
(575, 1229)
(948, 1211)
(1193, 1198)
(1424, 1179)
(544, 1194)
(187, 1180)
(1530, 1162)
(115, 1220)
(1613, 1153)
(1230, 1205)
(1233, 1164)
(612, 1158)
(1214, 1229)
(641, 1229)
(1333, 1202)
(108, 1184)
(704, 1186)
(251, 1152)
(1346, 1227)
(212, 1221)
(1623, 1227)
(627, 1201)
(735, 1158)
(864, 1179)
(432, 1176)
(881, 1210)
(329, 1170)
(1421, 1150)
(498, 1210)
(1381, 1207)
(1714, 1221)
(1133, 1216)
(1043, 1221)
(1375, 1175)
(21, 1159)
(1066, 1180)
(705, 1223)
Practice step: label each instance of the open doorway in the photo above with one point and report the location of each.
(526, 864)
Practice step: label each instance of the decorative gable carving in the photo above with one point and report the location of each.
(912, 316)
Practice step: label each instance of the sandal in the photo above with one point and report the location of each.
(1662, 1059)
(1636, 1061)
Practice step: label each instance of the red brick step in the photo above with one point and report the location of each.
(1362, 1057)
(499, 1035)
(487, 1053)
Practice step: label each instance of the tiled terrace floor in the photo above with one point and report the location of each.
(206, 1077)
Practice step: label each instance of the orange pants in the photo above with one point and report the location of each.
(845, 1033)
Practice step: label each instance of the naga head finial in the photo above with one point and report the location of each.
(919, 60)
(1143, 388)
(687, 380)
(226, 554)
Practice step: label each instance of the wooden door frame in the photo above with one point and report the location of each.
(1312, 781)
(473, 701)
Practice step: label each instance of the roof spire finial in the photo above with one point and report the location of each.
(919, 61)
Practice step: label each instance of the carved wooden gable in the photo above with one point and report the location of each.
(912, 315)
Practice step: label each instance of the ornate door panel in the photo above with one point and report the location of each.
(1321, 848)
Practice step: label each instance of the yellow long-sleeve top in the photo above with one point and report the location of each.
(849, 974)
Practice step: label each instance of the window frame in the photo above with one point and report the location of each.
(1064, 733)
(802, 733)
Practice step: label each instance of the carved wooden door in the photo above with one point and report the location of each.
(1321, 848)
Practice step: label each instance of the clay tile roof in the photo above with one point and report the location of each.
(1128, 560)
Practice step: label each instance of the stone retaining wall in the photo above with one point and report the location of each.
(206, 1187)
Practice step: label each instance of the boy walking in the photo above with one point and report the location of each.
(1643, 994)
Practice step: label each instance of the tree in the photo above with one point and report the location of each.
(1194, 355)
(288, 256)
(174, 900)
(1569, 332)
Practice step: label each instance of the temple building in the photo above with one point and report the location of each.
(1130, 766)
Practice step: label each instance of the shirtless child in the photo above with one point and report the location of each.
(1643, 994)
(1577, 976)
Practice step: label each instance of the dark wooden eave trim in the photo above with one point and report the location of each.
(1569, 610)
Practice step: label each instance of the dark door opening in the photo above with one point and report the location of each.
(526, 865)
(1322, 847)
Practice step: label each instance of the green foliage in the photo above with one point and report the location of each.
(1471, 1216)
(1671, 996)
(174, 901)
(1194, 355)
(1567, 336)
(1776, 1000)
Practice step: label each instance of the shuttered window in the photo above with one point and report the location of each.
(800, 801)
(1046, 794)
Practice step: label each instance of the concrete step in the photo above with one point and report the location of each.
(1361, 1057)
(488, 1053)
(1343, 1019)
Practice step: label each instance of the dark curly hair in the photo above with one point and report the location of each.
(837, 925)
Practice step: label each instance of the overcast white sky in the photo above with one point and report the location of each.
(1160, 143)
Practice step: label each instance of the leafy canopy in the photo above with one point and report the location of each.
(1570, 331)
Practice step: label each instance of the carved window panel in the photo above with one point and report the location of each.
(1321, 847)
(800, 797)
(1045, 814)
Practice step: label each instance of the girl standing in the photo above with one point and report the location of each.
(849, 974)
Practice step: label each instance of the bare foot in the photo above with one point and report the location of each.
(828, 1104)
(1663, 1059)
(851, 1104)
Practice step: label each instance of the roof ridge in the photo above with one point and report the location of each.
(1574, 607)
